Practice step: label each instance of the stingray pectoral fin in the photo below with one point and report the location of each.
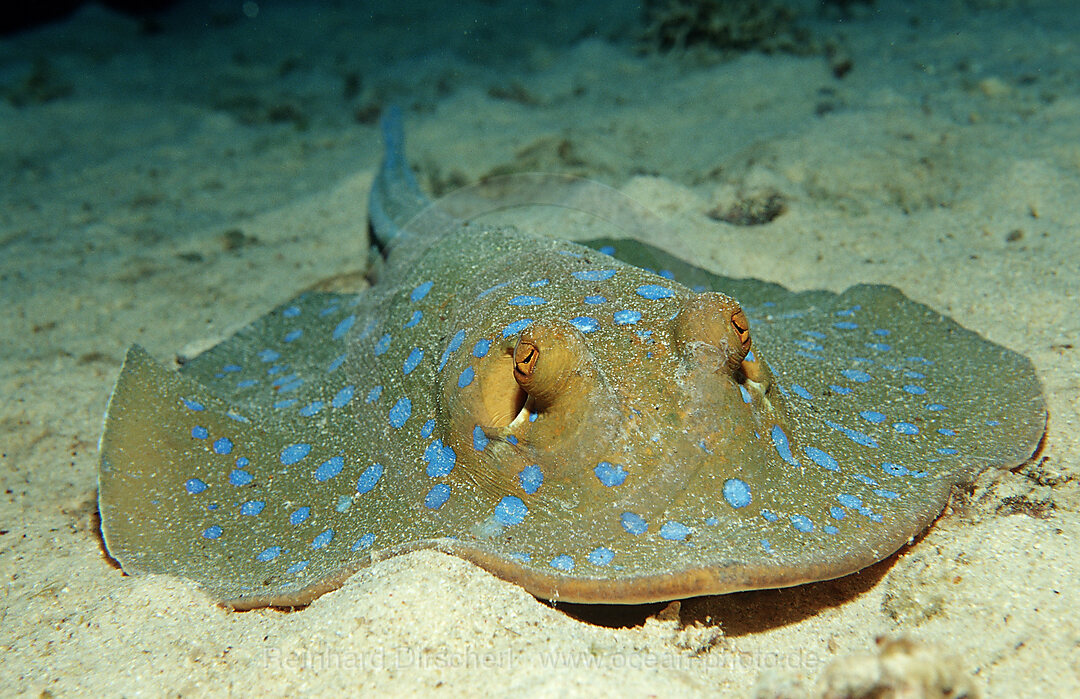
(188, 487)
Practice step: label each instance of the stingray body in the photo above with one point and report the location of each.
(571, 421)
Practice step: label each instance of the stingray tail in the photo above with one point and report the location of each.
(397, 209)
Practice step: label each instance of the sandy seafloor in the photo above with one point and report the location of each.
(167, 182)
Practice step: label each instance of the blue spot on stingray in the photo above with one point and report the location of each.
(837, 513)
(242, 462)
(527, 301)
(487, 291)
(610, 474)
(872, 416)
(246, 383)
(293, 384)
(822, 459)
(853, 435)
(511, 439)
(400, 413)
(807, 345)
(369, 478)
(420, 291)
(627, 317)
(914, 389)
(199, 432)
(750, 356)
(856, 375)
(363, 542)
(594, 275)
(801, 392)
(674, 531)
(416, 316)
(276, 369)
(840, 390)
(193, 405)
(540, 282)
(329, 310)
(563, 563)
(311, 408)
(427, 429)
(780, 441)
(510, 511)
(212, 532)
(466, 377)
(480, 349)
(947, 432)
(607, 250)
(268, 355)
(329, 468)
(737, 493)
(382, 345)
(194, 486)
(479, 439)
(712, 521)
(633, 523)
(845, 325)
(299, 515)
(437, 496)
(654, 291)
(769, 516)
(802, 523)
(766, 546)
(223, 445)
(667, 274)
(292, 335)
(905, 428)
(863, 478)
(894, 469)
(440, 459)
(585, 324)
(745, 394)
(948, 451)
(887, 494)
(252, 507)
(343, 327)
(830, 529)
(455, 343)
(373, 394)
(879, 346)
(294, 453)
(992, 423)
(342, 397)
(296, 567)
(323, 539)
(284, 403)
(239, 476)
(268, 554)
(601, 556)
(291, 312)
(531, 478)
(849, 501)
(413, 360)
(595, 300)
(516, 327)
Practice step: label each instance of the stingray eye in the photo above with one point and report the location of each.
(742, 328)
(525, 356)
(713, 320)
(552, 364)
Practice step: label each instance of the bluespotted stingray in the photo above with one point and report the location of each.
(596, 424)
